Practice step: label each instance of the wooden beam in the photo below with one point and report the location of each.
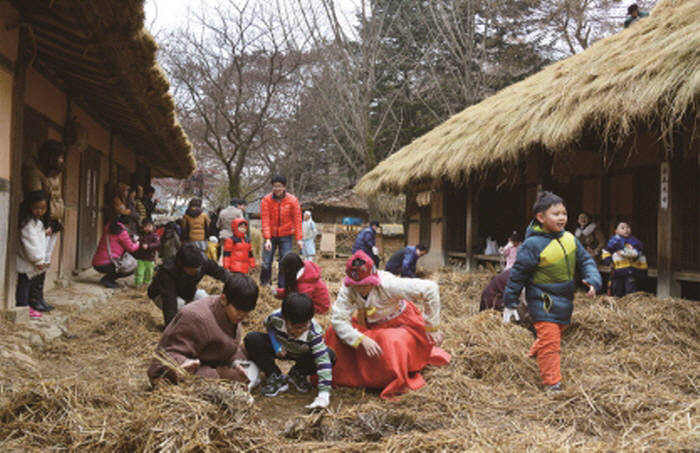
(472, 229)
(6, 64)
(667, 226)
(19, 83)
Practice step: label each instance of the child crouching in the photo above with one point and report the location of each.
(545, 265)
(293, 334)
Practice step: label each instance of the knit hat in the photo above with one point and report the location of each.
(360, 270)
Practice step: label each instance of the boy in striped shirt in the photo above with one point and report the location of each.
(293, 334)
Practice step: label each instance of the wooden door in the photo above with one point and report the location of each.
(89, 205)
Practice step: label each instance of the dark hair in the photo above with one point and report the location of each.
(49, 153)
(632, 8)
(115, 226)
(149, 189)
(515, 236)
(234, 202)
(289, 266)
(422, 247)
(25, 209)
(545, 200)
(189, 256)
(147, 221)
(297, 308)
(195, 203)
(629, 224)
(241, 291)
(279, 178)
(374, 223)
(131, 190)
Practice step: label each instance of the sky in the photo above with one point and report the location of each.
(163, 15)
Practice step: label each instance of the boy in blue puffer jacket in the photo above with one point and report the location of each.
(545, 267)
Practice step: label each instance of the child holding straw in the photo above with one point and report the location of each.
(545, 266)
(205, 336)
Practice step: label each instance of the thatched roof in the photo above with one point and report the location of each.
(103, 57)
(646, 74)
(343, 198)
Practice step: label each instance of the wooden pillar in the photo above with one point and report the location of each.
(472, 229)
(17, 150)
(667, 231)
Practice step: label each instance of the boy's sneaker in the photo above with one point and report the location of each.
(554, 388)
(299, 380)
(274, 385)
(34, 314)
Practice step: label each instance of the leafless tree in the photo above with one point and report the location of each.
(570, 26)
(347, 81)
(232, 70)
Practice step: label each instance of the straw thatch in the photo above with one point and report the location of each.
(343, 198)
(629, 367)
(101, 55)
(645, 76)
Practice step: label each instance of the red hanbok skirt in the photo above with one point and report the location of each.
(405, 351)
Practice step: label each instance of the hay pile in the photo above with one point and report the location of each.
(629, 366)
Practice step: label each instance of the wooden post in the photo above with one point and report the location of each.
(667, 223)
(17, 150)
(472, 230)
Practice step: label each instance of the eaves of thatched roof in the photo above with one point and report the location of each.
(102, 56)
(343, 198)
(646, 74)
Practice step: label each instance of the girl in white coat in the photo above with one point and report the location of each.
(32, 254)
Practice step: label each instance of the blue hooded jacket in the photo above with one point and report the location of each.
(403, 262)
(545, 266)
(365, 240)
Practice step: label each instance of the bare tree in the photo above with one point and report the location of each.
(231, 69)
(347, 83)
(570, 26)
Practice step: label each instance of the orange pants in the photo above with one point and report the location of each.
(546, 349)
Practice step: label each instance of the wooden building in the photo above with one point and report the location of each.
(333, 206)
(613, 130)
(83, 73)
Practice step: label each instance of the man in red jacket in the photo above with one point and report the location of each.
(280, 214)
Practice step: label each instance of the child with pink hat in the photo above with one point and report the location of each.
(388, 341)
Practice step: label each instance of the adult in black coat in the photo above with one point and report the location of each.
(175, 282)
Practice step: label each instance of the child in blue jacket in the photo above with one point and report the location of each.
(625, 253)
(545, 266)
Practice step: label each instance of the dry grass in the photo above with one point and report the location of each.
(645, 76)
(629, 365)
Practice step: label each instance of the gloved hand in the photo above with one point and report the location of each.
(322, 401)
(510, 314)
(630, 253)
(375, 250)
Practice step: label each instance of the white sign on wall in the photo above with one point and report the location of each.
(663, 189)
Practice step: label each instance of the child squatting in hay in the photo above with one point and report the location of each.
(204, 337)
(545, 266)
